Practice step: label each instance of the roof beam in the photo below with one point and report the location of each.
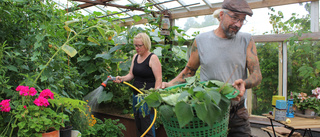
(253, 5)
(183, 5)
(158, 6)
(201, 10)
(89, 3)
(207, 3)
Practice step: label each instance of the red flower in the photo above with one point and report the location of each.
(5, 105)
(41, 101)
(25, 106)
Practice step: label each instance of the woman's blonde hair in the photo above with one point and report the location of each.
(145, 40)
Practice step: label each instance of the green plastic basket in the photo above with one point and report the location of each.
(196, 127)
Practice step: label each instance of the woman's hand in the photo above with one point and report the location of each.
(118, 79)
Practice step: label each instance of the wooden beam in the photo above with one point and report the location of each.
(89, 3)
(253, 5)
(283, 37)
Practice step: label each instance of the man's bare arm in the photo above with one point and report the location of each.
(253, 65)
(191, 68)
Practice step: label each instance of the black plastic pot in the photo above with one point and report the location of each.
(66, 131)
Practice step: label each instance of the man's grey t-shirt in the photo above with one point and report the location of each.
(219, 57)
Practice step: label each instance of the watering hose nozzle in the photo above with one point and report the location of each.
(104, 83)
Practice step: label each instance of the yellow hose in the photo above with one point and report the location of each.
(155, 111)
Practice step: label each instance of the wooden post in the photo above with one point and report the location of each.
(284, 69)
(280, 70)
(314, 16)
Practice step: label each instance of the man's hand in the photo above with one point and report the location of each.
(239, 85)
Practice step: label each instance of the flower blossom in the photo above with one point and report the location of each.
(25, 107)
(46, 93)
(302, 96)
(24, 90)
(32, 91)
(5, 105)
(316, 91)
(41, 101)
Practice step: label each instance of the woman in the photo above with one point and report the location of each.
(146, 71)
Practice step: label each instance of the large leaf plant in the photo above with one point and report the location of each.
(209, 101)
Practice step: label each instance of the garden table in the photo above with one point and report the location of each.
(297, 123)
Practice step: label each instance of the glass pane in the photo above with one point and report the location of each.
(303, 66)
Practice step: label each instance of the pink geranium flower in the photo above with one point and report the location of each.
(5, 105)
(41, 101)
(32, 91)
(46, 93)
(24, 90)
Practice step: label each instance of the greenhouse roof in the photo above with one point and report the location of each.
(176, 8)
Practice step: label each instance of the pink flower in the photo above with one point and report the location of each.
(32, 91)
(46, 93)
(5, 105)
(24, 90)
(41, 101)
(19, 88)
(25, 106)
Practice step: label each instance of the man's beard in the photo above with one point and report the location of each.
(230, 34)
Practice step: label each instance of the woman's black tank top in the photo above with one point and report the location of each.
(143, 75)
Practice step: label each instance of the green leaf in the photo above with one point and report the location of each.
(198, 88)
(105, 97)
(12, 68)
(83, 58)
(69, 50)
(190, 80)
(215, 96)
(183, 96)
(153, 100)
(42, 67)
(171, 99)
(102, 33)
(104, 56)
(213, 114)
(115, 48)
(91, 39)
(224, 104)
(201, 110)
(136, 18)
(184, 113)
(89, 68)
(166, 111)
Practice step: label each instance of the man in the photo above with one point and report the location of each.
(225, 54)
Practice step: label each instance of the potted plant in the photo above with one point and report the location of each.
(309, 105)
(32, 113)
(194, 107)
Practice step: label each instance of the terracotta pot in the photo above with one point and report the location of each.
(51, 134)
(310, 112)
